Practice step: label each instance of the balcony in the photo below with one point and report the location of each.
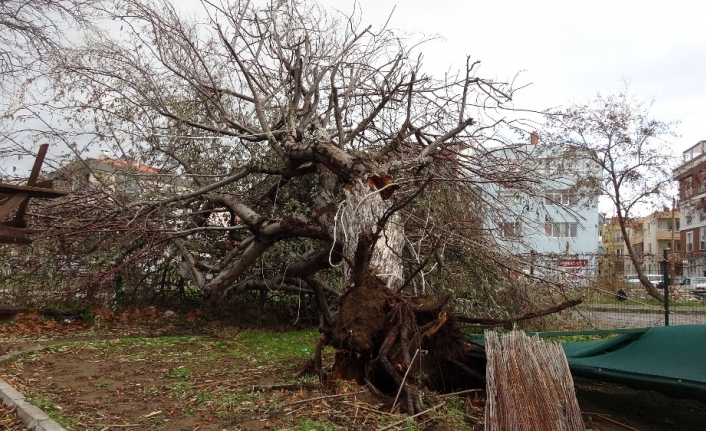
(666, 234)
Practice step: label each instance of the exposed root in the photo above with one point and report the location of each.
(400, 345)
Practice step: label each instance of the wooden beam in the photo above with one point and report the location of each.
(13, 235)
(16, 235)
(6, 230)
(45, 184)
(31, 182)
(14, 240)
(33, 192)
(10, 205)
(8, 312)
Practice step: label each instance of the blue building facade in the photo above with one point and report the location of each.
(561, 215)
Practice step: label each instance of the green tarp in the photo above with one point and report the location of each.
(670, 359)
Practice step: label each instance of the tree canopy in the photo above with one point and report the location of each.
(302, 128)
(269, 148)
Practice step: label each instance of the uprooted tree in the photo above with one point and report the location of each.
(298, 151)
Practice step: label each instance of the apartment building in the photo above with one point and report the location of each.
(559, 225)
(652, 234)
(565, 219)
(612, 237)
(691, 178)
(649, 236)
(120, 175)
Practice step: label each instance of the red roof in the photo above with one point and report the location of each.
(130, 165)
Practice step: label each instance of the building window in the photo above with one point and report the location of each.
(688, 187)
(702, 238)
(560, 197)
(510, 230)
(689, 241)
(509, 195)
(561, 230)
(546, 165)
(619, 251)
(649, 248)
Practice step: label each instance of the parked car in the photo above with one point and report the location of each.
(695, 285)
(656, 279)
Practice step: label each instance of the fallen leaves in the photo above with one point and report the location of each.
(9, 420)
(34, 324)
(136, 322)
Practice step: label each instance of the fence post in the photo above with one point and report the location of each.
(118, 299)
(666, 286)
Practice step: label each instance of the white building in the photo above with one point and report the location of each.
(563, 217)
(557, 225)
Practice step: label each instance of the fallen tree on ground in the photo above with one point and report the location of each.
(288, 149)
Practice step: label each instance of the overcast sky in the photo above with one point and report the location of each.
(569, 50)
(566, 50)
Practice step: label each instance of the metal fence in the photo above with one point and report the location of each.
(630, 306)
(614, 298)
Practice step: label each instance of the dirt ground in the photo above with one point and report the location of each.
(182, 375)
(171, 375)
(636, 409)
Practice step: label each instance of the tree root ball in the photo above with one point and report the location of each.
(393, 340)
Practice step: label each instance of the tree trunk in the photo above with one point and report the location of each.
(364, 207)
(395, 342)
(647, 284)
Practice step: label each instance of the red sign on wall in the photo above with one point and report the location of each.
(573, 263)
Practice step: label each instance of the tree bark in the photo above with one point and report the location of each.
(363, 208)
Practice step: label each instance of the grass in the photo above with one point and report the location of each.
(180, 390)
(52, 410)
(227, 403)
(241, 384)
(280, 346)
(313, 425)
(457, 413)
(579, 338)
(179, 373)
